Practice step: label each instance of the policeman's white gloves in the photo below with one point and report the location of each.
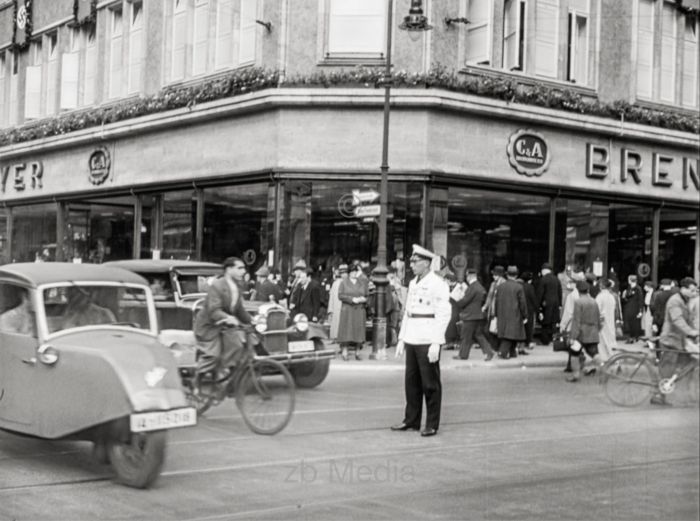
(433, 353)
(399, 349)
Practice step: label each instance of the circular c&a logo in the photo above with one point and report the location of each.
(99, 164)
(528, 153)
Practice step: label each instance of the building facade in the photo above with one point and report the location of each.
(206, 169)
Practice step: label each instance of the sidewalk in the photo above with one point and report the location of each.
(540, 356)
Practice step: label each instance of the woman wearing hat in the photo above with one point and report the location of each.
(632, 308)
(334, 303)
(352, 292)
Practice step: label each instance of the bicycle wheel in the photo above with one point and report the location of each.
(628, 379)
(265, 396)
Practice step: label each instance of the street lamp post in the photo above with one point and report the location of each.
(415, 21)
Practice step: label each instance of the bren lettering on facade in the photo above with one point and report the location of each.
(208, 128)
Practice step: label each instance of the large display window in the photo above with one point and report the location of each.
(630, 241)
(485, 228)
(179, 225)
(34, 232)
(326, 224)
(581, 235)
(236, 222)
(678, 234)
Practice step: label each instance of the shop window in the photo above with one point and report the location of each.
(487, 228)
(578, 43)
(250, 207)
(581, 236)
(319, 223)
(356, 29)
(179, 225)
(546, 55)
(514, 35)
(99, 230)
(677, 236)
(34, 232)
(629, 241)
(479, 32)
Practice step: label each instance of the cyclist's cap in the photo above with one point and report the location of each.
(687, 282)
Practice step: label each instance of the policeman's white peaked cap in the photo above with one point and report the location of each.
(421, 252)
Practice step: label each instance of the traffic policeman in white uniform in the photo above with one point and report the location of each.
(425, 320)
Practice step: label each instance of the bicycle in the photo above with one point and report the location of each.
(632, 377)
(264, 389)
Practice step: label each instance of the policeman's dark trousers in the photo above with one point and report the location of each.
(422, 379)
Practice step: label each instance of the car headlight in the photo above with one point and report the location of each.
(261, 323)
(301, 322)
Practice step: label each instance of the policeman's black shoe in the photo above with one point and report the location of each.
(404, 427)
(428, 432)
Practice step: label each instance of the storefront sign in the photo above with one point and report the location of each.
(21, 176)
(370, 210)
(664, 168)
(528, 153)
(366, 196)
(99, 164)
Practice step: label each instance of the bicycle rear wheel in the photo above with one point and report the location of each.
(265, 396)
(628, 379)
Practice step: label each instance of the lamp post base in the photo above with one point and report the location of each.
(381, 283)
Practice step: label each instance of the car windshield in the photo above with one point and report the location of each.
(194, 283)
(68, 307)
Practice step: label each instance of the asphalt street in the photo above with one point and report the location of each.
(516, 442)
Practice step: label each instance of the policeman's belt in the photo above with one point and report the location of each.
(420, 315)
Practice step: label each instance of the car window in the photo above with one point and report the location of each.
(17, 315)
(191, 283)
(68, 307)
(160, 286)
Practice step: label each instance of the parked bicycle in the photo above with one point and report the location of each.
(631, 377)
(263, 388)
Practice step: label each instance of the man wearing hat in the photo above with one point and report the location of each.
(223, 307)
(265, 289)
(306, 294)
(511, 314)
(585, 327)
(473, 318)
(548, 298)
(425, 320)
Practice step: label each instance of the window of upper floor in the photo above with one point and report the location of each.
(78, 82)
(3, 88)
(666, 53)
(354, 30)
(551, 39)
(205, 36)
(126, 47)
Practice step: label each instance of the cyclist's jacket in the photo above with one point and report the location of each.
(677, 322)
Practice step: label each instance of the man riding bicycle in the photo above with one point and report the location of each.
(220, 344)
(677, 330)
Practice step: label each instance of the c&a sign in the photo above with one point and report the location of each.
(528, 153)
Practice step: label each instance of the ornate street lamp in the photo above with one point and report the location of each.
(415, 21)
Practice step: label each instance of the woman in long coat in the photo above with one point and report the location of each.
(334, 303)
(353, 292)
(632, 309)
(606, 303)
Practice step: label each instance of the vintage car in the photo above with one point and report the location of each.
(75, 365)
(179, 287)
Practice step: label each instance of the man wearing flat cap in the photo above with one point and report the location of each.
(425, 320)
(548, 297)
(306, 294)
(265, 289)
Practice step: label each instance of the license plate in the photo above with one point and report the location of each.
(155, 421)
(301, 345)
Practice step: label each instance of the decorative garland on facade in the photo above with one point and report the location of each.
(88, 20)
(255, 79)
(28, 25)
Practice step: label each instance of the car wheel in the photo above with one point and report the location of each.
(138, 462)
(308, 375)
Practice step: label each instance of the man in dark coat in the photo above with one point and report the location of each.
(221, 344)
(632, 308)
(511, 314)
(531, 299)
(585, 327)
(658, 303)
(306, 296)
(548, 298)
(265, 289)
(473, 318)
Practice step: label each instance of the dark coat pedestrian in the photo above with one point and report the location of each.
(511, 314)
(353, 297)
(532, 306)
(585, 323)
(473, 318)
(658, 303)
(632, 307)
(548, 296)
(306, 298)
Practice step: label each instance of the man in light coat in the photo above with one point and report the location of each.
(425, 320)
